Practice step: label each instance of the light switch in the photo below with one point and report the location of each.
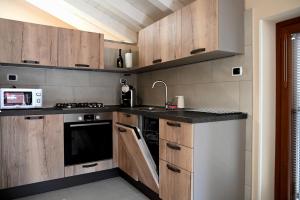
(237, 71)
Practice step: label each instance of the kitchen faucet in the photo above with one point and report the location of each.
(166, 100)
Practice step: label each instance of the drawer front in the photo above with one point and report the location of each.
(174, 182)
(178, 155)
(128, 119)
(177, 132)
(88, 168)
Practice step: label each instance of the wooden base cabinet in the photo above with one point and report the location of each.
(31, 149)
(133, 157)
(174, 182)
(202, 161)
(122, 158)
(10, 41)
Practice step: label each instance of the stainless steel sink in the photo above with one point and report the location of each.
(155, 109)
(151, 109)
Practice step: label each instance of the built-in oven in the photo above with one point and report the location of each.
(87, 137)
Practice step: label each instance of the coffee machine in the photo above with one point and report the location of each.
(128, 95)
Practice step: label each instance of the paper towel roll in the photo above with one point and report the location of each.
(128, 60)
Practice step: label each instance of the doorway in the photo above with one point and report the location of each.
(287, 153)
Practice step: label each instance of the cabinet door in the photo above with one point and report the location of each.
(168, 42)
(80, 49)
(174, 182)
(125, 162)
(142, 46)
(88, 53)
(39, 44)
(137, 152)
(10, 41)
(148, 45)
(31, 149)
(199, 27)
(156, 43)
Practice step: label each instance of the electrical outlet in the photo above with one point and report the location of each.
(237, 71)
(12, 77)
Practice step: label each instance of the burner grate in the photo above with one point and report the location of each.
(79, 105)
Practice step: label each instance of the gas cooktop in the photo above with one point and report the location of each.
(79, 105)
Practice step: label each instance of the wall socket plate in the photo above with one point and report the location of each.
(12, 77)
(237, 71)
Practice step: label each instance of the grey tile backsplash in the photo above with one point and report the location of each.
(60, 85)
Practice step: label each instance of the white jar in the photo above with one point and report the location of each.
(180, 101)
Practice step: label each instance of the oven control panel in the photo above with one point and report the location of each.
(80, 117)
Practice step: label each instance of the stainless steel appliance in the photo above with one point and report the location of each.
(20, 98)
(128, 96)
(87, 137)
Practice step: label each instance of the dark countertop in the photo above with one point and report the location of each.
(178, 115)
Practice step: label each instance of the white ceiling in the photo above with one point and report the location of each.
(119, 20)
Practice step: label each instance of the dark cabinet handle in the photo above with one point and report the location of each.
(174, 169)
(82, 65)
(31, 61)
(34, 117)
(122, 130)
(173, 146)
(127, 115)
(90, 165)
(173, 124)
(195, 51)
(157, 61)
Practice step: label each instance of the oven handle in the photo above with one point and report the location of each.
(90, 124)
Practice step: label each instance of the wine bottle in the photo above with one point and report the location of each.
(120, 59)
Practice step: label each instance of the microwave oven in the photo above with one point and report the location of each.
(20, 98)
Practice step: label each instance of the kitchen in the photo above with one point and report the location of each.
(152, 104)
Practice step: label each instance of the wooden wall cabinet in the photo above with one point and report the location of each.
(39, 44)
(170, 37)
(199, 27)
(149, 48)
(202, 30)
(10, 41)
(31, 149)
(27, 43)
(80, 49)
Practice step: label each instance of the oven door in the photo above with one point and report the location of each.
(87, 141)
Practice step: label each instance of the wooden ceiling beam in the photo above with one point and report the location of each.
(65, 13)
(116, 14)
(103, 20)
(167, 4)
(129, 10)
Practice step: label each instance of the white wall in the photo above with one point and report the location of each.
(22, 11)
(266, 13)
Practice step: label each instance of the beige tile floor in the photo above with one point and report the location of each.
(110, 189)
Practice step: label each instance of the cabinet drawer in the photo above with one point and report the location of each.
(87, 168)
(128, 119)
(175, 183)
(176, 154)
(178, 132)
